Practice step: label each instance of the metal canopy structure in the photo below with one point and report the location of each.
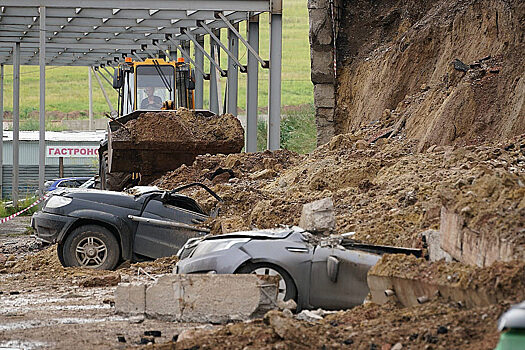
(101, 34)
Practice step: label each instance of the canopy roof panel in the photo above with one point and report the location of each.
(95, 32)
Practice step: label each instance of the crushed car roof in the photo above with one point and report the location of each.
(276, 233)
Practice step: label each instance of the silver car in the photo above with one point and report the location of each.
(329, 273)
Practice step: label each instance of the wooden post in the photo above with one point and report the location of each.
(61, 167)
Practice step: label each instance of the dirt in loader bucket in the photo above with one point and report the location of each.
(158, 141)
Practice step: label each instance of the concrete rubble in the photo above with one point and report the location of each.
(433, 240)
(198, 298)
(318, 216)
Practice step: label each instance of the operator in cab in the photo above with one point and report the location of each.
(151, 101)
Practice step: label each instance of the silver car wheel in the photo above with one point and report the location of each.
(91, 252)
(268, 271)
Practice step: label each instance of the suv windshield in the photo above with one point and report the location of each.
(153, 85)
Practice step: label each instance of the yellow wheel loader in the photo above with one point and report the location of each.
(151, 86)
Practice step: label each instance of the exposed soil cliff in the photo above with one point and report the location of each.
(451, 71)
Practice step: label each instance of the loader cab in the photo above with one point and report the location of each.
(153, 84)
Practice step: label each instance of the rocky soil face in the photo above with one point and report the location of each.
(451, 70)
(384, 191)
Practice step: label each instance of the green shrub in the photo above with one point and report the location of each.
(298, 131)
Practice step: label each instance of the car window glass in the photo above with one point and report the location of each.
(62, 184)
(185, 203)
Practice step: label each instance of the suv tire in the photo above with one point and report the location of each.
(91, 246)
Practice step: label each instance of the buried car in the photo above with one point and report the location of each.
(329, 273)
(99, 229)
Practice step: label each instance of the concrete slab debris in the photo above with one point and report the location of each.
(130, 298)
(474, 248)
(435, 252)
(318, 216)
(198, 298)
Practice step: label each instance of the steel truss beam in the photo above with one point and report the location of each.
(199, 47)
(182, 5)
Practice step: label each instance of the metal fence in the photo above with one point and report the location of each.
(28, 178)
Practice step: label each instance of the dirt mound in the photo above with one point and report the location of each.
(157, 266)
(432, 325)
(238, 179)
(45, 261)
(185, 129)
(386, 191)
(500, 214)
(451, 71)
(501, 276)
(45, 264)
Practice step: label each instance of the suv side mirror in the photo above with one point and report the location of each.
(118, 78)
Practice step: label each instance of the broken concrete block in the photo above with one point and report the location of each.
(324, 95)
(435, 252)
(130, 298)
(318, 216)
(200, 298)
(164, 298)
(412, 281)
(471, 247)
(308, 316)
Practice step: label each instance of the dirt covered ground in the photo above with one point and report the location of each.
(434, 325)
(386, 192)
(383, 190)
(44, 305)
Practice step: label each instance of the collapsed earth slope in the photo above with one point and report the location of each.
(452, 71)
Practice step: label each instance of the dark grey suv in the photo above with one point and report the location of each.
(98, 229)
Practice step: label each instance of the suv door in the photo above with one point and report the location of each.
(155, 241)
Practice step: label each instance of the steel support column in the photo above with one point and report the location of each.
(16, 119)
(113, 111)
(252, 85)
(274, 83)
(233, 72)
(42, 110)
(90, 93)
(199, 77)
(1, 129)
(214, 94)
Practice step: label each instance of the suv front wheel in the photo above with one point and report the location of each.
(91, 246)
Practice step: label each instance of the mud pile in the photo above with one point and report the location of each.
(370, 326)
(451, 71)
(185, 129)
(239, 179)
(501, 276)
(386, 191)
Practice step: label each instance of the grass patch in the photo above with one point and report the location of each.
(33, 124)
(298, 132)
(6, 210)
(67, 87)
